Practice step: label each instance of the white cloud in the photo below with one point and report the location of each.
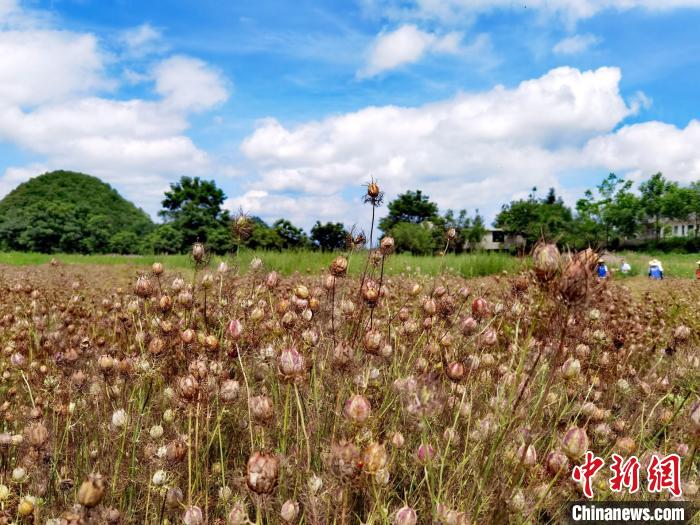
(43, 65)
(642, 149)
(188, 84)
(302, 210)
(575, 44)
(406, 45)
(475, 150)
(570, 10)
(50, 105)
(142, 40)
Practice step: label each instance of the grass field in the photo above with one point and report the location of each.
(287, 263)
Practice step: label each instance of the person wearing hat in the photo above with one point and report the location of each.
(625, 267)
(697, 270)
(656, 271)
(602, 269)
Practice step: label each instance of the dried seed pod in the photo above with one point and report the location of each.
(262, 472)
(91, 491)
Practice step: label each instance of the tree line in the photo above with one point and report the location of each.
(69, 212)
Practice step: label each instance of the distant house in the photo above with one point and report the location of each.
(495, 239)
(669, 228)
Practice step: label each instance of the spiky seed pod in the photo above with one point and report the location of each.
(345, 459)
(372, 341)
(489, 337)
(91, 491)
(571, 368)
(199, 252)
(291, 363)
(480, 308)
(339, 266)
(573, 284)
(289, 511)
(373, 190)
(575, 442)
(157, 269)
(235, 328)
(301, 292)
(262, 408)
(193, 516)
(188, 387)
(446, 306)
(374, 457)
(166, 303)
(405, 516)
(425, 453)
(557, 462)
(262, 472)
(272, 280)
(143, 287)
(455, 371)
(238, 515)
(370, 292)
(37, 435)
(187, 336)
(357, 409)
(25, 507)
(695, 416)
(527, 455)
(546, 261)
(229, 390)
(176, 450)
(156, 346)
(469, 326)
(387, 246)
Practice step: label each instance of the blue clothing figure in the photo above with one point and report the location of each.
(656, 273)
(602, 270)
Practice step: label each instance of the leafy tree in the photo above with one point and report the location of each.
(535, 218)
(68, 212)
(166, 238)
(263, 237)
(123, 242)
(476, 230)
(194, 207)
(329, 236)
(653, 196)
(291, 236)
(414, 238)
(461, 224)
(411, 206)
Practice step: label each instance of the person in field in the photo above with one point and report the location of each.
(697, 271)
(656, 271)
(602, 269)
(625, 267)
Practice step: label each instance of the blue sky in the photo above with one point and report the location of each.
(291, 106)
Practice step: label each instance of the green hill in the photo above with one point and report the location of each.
(64, 211)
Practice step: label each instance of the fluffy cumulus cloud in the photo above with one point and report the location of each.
(406, 45)
(475, 150)
(53, 103)
(570, 10)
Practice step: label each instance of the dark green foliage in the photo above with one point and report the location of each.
(414, 238)
(63, 211)
(166, 238)
(537, 218)
(329, 236)
(411, 206)
(193, 206)
(291, 236)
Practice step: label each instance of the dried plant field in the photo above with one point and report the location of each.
(217, 396)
